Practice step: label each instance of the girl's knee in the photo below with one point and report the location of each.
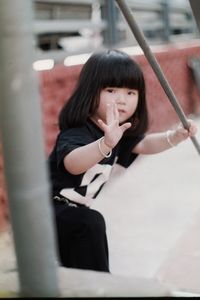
(95, 221)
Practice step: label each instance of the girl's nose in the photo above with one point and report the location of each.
(120, 99)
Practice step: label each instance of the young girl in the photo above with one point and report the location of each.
(104, 122)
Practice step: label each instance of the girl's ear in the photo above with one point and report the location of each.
(135, 120)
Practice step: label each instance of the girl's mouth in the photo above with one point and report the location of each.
(121, 111)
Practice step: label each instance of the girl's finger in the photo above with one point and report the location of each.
(102, 124)
(125, 126)
(183, 131)
(116, 113)
(192, 130)
(109, 113)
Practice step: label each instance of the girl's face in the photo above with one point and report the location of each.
(126, 101)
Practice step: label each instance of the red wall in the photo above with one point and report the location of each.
(56, 85)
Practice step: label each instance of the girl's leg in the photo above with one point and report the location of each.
(82, 240)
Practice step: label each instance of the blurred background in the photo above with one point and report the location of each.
(159, 209)
(66, 27)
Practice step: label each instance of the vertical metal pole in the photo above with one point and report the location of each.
(166, 21)
(24, 154)
(195, 5)
(111, 34)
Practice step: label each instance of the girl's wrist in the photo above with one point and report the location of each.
(107, 144)
(104, 149)
(170, 137)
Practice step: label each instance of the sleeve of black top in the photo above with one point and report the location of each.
(70, 140)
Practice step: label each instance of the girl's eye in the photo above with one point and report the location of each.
(110, 90)
(132, 93)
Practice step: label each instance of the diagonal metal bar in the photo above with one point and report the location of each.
(155, 66)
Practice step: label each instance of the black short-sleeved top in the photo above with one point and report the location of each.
(83, 188)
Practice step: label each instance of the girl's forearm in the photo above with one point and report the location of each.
(158, 142)
(155, 143)
(83, 158)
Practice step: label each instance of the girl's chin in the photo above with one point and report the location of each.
(123, 119)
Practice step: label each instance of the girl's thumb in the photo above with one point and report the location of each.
(126, 126)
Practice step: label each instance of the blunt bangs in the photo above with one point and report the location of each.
(119, 70)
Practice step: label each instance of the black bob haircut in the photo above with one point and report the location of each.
(110, 68)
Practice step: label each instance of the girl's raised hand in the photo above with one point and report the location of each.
(113, 131)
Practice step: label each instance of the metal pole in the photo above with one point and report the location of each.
(111, 34)
(195, 5)
(166, 21)
(155, 66)
(24, 154)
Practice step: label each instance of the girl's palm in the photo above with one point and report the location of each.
(113, 131)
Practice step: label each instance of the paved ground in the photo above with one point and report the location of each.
(152, 213)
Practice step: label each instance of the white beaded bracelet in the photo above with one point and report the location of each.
(168, 139)
(99, 145)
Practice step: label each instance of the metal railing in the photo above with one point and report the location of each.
(99, 23)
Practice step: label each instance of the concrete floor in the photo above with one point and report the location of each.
(152, 212)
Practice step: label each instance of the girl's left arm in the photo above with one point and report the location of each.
(158, 142)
